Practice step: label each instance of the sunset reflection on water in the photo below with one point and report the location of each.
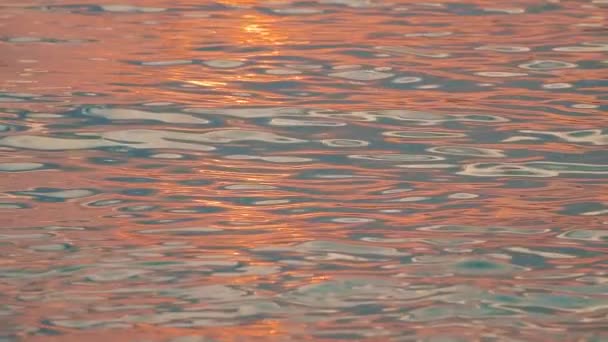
(189, 171)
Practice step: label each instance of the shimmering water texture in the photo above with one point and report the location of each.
(240, 170)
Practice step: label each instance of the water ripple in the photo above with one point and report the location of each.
(188, 171)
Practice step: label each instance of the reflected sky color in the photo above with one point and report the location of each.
(188, 171)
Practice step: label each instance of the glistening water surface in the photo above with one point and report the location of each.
(239, 170)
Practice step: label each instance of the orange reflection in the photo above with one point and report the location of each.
(154, 222)
(258, 30)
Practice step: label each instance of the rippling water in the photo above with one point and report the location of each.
(241, 170)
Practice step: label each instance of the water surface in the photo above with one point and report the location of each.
(238, 170)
